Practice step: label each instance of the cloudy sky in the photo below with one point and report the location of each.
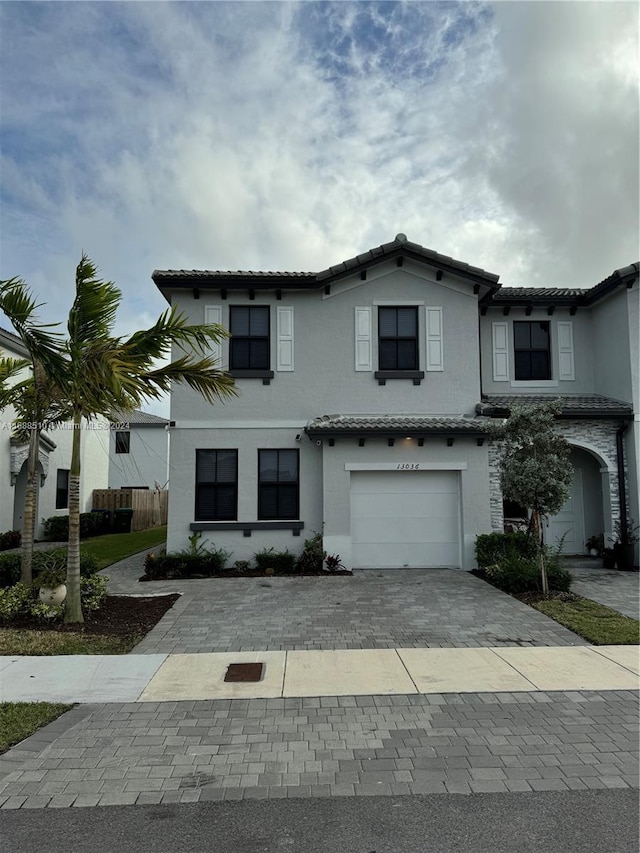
(261, 135)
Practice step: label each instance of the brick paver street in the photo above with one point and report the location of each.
(152, 752)
(334, 746)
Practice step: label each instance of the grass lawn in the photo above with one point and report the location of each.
(14, 641)
(116, 546)
(598, 624)
(18, 720)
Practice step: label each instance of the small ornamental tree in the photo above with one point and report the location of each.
(535, 470)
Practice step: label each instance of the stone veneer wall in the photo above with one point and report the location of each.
(600, 435)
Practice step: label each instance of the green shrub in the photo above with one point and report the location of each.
(516, 574)
(22, 599)
(10, 539)
(185, 565)
(56, 528)
(54, 559)
(15, 601)
(93, 591)
(280, 561)
(492, 548)
(334, 563)
(9, 570)
(312, 556)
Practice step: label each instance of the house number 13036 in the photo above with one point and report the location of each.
(408, 466)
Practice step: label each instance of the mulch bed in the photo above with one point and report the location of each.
(533, 597)
(119, 616)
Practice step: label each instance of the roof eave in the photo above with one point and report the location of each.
(392, 432)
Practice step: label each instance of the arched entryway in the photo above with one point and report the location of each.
(587, 512)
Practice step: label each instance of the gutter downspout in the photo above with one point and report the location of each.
(622, 495)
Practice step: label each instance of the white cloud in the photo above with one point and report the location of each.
(285, 136)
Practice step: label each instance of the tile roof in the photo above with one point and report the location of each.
(528, 293)
(137, 418)
(572, 404)
(396, 424)
(399, 246)
(227, 273)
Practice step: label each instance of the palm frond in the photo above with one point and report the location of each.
(10, 369)
(20, 308)
(94, 308)
(202, 376)
(172, 327)
(40, 401)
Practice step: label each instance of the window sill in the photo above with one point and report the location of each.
(534, 383)
(248, 526)
(265, 375)
(382, 375)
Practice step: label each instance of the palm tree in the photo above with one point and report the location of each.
(39, 407)
(107, 372)
(34, 397)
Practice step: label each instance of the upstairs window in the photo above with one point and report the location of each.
(278, 484)
(532, 350)
(123, 441)
(249, 345)
(398, 338)
(216, 485)
(62, 488)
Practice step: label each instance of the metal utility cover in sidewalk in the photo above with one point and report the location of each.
(244, 672)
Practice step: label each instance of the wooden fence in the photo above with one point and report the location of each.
(149, 508)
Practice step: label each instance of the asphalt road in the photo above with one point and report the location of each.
(549, 822)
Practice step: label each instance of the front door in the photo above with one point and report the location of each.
(569, 522)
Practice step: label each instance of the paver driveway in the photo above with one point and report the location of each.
(369, 610)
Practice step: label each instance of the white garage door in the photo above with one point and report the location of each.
(405, 519)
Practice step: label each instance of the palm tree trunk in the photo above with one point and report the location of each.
(29, 517)
(541, 555)
(73, 605)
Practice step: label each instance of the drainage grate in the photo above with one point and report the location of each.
(244, 672)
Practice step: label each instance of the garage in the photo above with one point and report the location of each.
(405, 519)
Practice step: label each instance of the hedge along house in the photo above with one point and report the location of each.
(365, 394)
(54, 461)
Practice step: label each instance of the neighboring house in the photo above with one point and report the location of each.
(54, 461)
(138, 450)
(365, 394)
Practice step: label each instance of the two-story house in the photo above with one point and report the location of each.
(54, 460)
(365, 392)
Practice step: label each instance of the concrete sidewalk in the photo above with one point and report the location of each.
(382, 672)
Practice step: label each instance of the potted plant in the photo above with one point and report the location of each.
(51, 583)
(595, 545)
(624, 539)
